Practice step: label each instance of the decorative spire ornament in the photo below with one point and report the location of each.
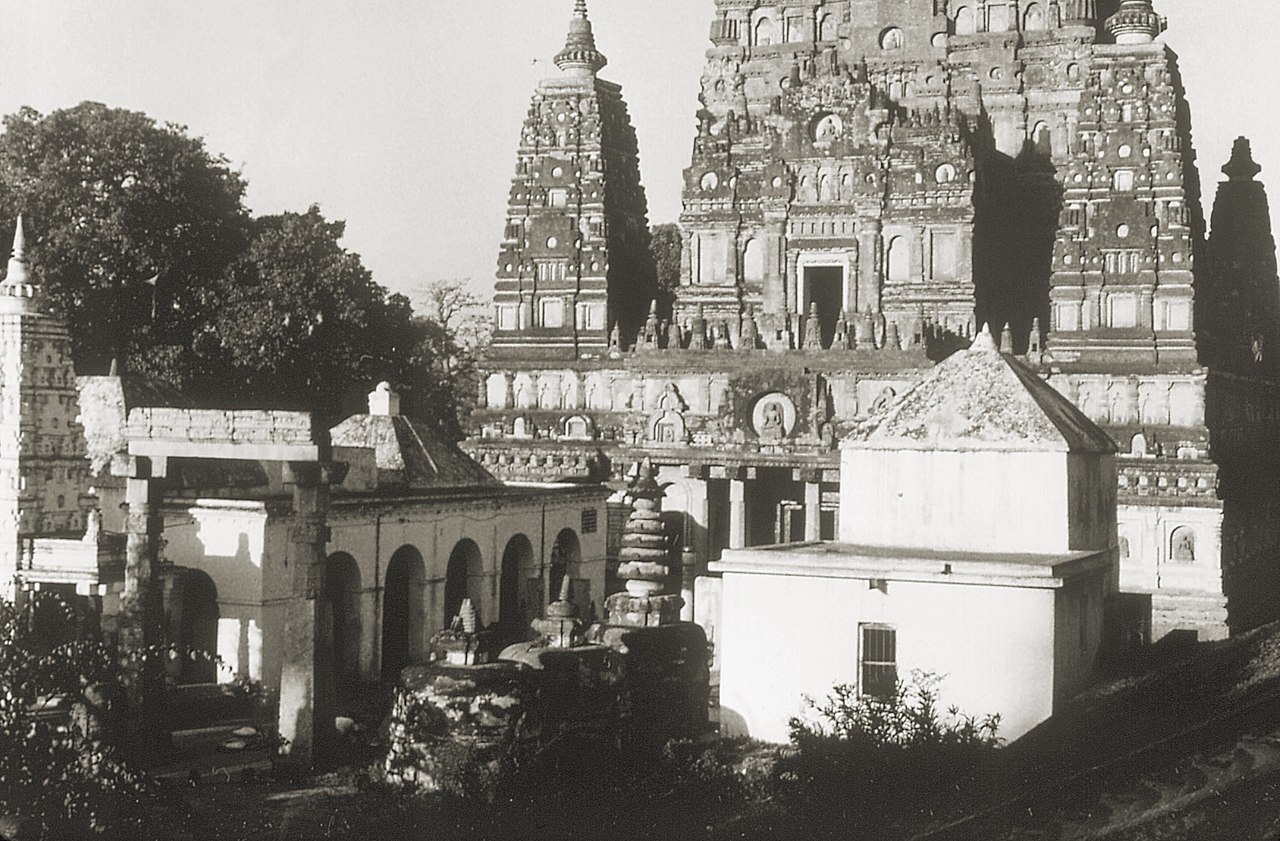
(580, 56)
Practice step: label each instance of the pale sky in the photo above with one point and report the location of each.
(402, 116)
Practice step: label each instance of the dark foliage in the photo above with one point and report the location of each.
(59, 704)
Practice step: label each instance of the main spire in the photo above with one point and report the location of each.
(580, 55)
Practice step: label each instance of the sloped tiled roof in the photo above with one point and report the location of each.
(410, 454)
(981, 399)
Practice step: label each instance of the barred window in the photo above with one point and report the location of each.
(879, 661)
(590, 520)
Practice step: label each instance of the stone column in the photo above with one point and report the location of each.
(812, 511)
(306, 716)
(737, 514)
(688, 582)
(774, 246)
(142, 602)
(870, 249)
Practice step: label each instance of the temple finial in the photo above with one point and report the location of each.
(18, 274)
(1242, 166)
(580, 56)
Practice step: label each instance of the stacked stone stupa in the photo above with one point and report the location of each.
(643, 561)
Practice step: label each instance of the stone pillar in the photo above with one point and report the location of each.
(688, 582)
(774, 294)
(870, 249)
(812, 511)
(306, 716)
(142, 602)
(737, 514)
(793, 282)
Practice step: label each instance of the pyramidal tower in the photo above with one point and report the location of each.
(574, 258)
(43, 468)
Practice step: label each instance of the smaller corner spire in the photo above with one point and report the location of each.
(18, 274)
(1242, 166)
(984, 342)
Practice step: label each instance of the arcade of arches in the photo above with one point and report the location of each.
(379, 630)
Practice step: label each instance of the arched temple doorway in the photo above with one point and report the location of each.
(519, 586)
(342, 603)
(403, 618)
(463, 578)
(193, 627)
(566, 559)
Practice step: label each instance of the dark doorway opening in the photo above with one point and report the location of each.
(342, 599)
(775, 507)
(402, 609)
(519, 587)
(824, 286)
(196, 604)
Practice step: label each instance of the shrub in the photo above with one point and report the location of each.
(59, 694)
(865, 763)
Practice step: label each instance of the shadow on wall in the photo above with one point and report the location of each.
(1017, 205)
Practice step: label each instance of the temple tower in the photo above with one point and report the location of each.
(1240, 325)
(43, 467)
(574, 260)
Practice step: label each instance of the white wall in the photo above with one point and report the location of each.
(982, 501)
(244, 551)
(787, 636)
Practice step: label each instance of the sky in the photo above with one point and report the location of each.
(402, 116)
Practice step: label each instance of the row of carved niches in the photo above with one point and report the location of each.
(629, 394)
(1120, 400)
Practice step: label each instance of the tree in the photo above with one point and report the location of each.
(666, 247)
(453, 333)
(300, 323)
(126, 217)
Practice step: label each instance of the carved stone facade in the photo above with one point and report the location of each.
(43, 467)
(574, 255)
(871, 180)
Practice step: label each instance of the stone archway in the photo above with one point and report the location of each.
(193, 627)
(403, 613)
(463, 578)
(342, 603)
(519, 586)
(566, 559)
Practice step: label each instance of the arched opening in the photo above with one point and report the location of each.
(965, 21)
(403, 617)
(342, 604)
(463, 579)
(193, 627)
(898, 267)
(519, 586)
(1033, 19)
(1182, 545)
(764, 32)
(753, 262)
(1042, 139)
(827, 28)
(566, 559)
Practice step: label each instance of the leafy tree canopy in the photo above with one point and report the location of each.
(142, 241)
(300, 322)
(665, 245)
(115, 200)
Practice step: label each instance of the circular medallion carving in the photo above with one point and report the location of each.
(773, 417)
